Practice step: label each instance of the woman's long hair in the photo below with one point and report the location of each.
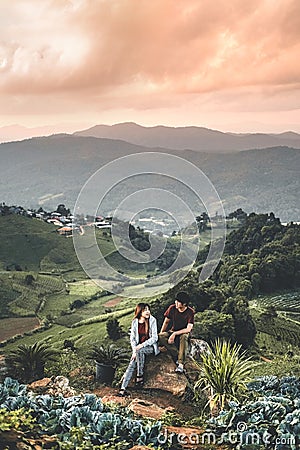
(138, 312)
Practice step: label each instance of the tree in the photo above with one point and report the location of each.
(210, 325)
(244, 326)
(202, 221)
(29, 279)
(243, 287)
(76, 304)
(61, 209)
(239, 214)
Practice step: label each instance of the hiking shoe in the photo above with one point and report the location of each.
(179, 368)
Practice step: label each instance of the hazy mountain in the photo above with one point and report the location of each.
(18, 132)
(193, 138)
(51, 170)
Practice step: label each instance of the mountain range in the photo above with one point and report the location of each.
(174, 138)
(47, 171)
(192, 138)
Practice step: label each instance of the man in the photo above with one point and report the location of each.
(180, 316)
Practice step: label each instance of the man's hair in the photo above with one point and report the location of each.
(183, 297)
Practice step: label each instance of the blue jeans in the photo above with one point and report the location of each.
(138, 364)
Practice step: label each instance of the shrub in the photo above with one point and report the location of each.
(28, 361)
(109, 355)
(224, 373)
(113, 329)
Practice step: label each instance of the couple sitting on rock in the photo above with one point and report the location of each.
(175, 330)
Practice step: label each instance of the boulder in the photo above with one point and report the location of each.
(139, 447)
(147, 409)
(160, 374)
(40, 385)
(56, 386)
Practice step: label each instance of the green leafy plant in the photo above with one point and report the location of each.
(224, 373)
(274, 412)
(28, 361)
(109, 355)
(20, 420)
(79, 441)
(80, 420)
(172, 418)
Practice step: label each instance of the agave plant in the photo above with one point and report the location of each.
(109, 355)
(224, 374)
(28, 361)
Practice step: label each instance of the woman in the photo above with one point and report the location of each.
(143, 340)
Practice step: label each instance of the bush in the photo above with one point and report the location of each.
(113, 329)
(28, 361)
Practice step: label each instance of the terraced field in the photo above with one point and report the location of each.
(277, 334)
(286, 304)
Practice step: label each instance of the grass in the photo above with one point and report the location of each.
(274, 325)
(57, 303)
(32, 244)
(84, 287)
(82, 336)
(25, 241)
(280, 366)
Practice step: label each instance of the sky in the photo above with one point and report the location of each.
(227, 65)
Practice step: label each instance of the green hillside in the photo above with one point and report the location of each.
(32, 244)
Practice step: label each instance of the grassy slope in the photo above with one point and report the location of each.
(34, 245)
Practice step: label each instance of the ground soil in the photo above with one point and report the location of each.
(17, 325)
(161, 398)
(114, 302)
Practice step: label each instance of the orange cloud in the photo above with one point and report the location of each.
(138, 53)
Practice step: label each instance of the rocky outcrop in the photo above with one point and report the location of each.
(56, 386)
(160, 374)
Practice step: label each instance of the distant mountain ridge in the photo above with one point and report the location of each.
(51, 170)
(191, 138)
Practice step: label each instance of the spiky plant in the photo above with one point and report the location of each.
(28, 361)
(224, 374)
(109, 355)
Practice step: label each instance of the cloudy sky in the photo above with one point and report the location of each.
(229, 65)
